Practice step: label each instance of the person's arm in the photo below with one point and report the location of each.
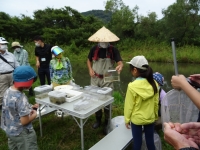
(37, 58)
(37, 62)
(128, 107)
(16, 63)
(119, 66)
(118, 59)
(89, 65)
(28, 118)
(51, 70)
(156, 101)
(180, 82)
(70, 68)
(25, 58)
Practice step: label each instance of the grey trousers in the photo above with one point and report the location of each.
(100, 83)
(6, 80)
(27, 140)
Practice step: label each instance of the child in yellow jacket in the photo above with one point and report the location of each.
(141, 103)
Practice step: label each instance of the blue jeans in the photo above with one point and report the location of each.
(137, 136)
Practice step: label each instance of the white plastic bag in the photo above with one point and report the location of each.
(116, 121)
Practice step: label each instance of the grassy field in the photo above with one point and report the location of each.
(64, 134)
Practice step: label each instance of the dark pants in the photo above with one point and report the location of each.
(137, 136)
(42, 72)
(106, 112)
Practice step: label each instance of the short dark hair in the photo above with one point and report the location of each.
(37, 38)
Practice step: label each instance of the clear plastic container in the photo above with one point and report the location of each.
(111, 76)
(42, 91)
(105, 93)
(57, 97)
(98, 93)
(82, 105)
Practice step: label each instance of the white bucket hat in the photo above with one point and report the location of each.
(103, 35)
(15, 44)
(138, 62)
(3, 40)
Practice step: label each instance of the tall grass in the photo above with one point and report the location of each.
(153, 51)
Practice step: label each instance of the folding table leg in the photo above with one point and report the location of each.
(82, 134)
(40, 121)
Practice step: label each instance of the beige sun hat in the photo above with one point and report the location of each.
(103, 35)
(16, 44)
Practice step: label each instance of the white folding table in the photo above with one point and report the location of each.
(82, 114)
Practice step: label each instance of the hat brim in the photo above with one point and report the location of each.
(3, 42)
(17, 46)
(57, 50)
(103, 35)
(23, 84)
(143, 68)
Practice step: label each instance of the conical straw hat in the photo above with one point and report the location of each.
(103, 35)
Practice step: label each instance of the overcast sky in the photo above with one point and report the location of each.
(27, 7)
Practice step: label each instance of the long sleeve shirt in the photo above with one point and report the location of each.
(60, 76)
(5, 67)
(22, 57)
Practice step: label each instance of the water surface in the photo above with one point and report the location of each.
(82, 78)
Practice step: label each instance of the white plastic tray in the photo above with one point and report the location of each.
(71, 94)
(65, 87)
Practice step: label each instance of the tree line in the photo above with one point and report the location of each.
(65, 26)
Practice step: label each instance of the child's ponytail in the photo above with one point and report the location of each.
(148, 74)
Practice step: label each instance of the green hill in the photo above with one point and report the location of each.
(104, 16)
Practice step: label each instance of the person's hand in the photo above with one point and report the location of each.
(92, 73)
(127, 125)
(119, 68)
(178, 81)
(38, 64)
(191, 131)
(195, 78)
(35, 106)
(173, 136)
(33, 113)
